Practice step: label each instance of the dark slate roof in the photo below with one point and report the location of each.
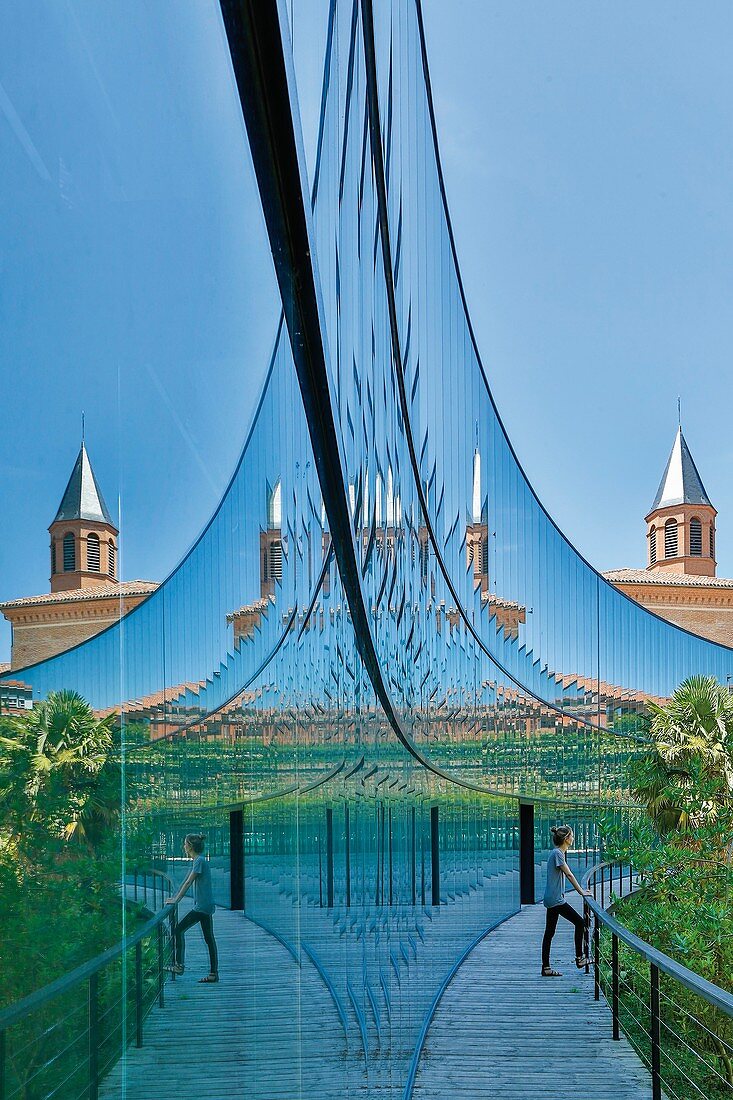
(681, 483)
(82, 497)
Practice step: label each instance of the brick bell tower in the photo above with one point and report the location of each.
(83, 536)
(681, 522)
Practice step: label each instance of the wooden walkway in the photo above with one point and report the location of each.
(269, 1029)
(503, 1031)
(336, 1007)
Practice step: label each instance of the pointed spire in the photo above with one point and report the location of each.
(82, 497)
(681, 483)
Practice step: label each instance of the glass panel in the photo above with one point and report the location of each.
(351, 743)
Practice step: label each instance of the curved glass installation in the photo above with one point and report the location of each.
(469, 657)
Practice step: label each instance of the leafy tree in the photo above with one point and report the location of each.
(685, 781)
(681, 849)
(58, 776)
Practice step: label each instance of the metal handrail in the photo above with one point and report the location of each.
(711, 993)
(13, 1014)
(165, 879)
(659, 963)
(89, 972)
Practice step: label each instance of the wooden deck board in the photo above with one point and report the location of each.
(271, 1030)
(240, 1037)
(503, 1031)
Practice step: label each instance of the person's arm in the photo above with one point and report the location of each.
(182, 890)
(569, 874)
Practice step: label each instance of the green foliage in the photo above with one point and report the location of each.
(686, 780)
(682, 849)
(60, 867)
(60, 841)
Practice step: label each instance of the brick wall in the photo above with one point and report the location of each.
(41, 631)
(708, 612)
(35, 641)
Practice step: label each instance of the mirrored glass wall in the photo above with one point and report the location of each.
(364, 814)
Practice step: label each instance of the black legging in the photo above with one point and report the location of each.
(207, 927)
(553, 913)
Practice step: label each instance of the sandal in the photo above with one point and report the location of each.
(581, 961)
(174, 968)
(210, 979)
(548, 972)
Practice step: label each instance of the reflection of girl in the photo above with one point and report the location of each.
(203, 907)
(557, 872)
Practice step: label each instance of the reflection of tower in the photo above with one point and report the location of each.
(681, 522)
(271, 546)
(83, 536)
(477, 533)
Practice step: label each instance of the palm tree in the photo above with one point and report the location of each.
(59, 768)
(686, 779)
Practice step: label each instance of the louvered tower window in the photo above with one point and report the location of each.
(69, 553)
(653, 546)
(712, 542)
(276, 560)
(53, 556)
(424, 560)
(112, 558)
(695, 538)
(93, 557)
(670, 538)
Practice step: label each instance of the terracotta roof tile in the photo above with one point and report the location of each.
(665, 578)
(80, 595)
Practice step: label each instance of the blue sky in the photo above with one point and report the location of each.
(588, 156)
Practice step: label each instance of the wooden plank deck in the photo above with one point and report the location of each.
(268, 1029)
(503, 1031)
(346, 1020)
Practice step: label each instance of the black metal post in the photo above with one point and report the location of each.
(138, 994)
(414, 853)
(347, 826)
(526, 853)
(422, 862)
(173, 920)
(381, 853)
(320, 874)
(434, 856)
(161, 972)
(603, 887)
(329, 858)
(236, 860)
(614, 994)
(597, 959)
(655, 1036)
(389, 845)
(93, 1021)
(134, 880)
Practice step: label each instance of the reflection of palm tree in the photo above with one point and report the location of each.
(63, 768)
(686, 779)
